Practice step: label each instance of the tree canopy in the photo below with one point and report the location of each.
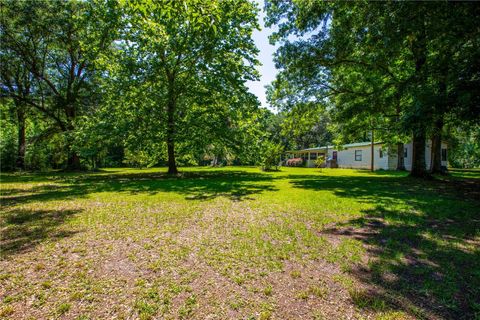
(148, 77)
(394, 67)
(93, 83)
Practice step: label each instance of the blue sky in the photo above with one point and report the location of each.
(267, 69)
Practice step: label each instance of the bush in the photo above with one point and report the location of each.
(186, 160)
(8, 146)
(37, 157)
(270, 157)
(295, 162)
(464, 148)
(139, 159)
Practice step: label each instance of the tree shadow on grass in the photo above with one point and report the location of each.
(422, 239)
(23, 229)
(202, 185)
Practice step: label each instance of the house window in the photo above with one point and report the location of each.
(358, 155)
(380, 153)
(334, 155)
(405, 152)
(313, 156)
(444, 154)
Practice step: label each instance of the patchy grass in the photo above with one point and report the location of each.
(236, 242)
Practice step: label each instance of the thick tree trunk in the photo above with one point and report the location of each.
(400, 157)
(436, 157)
(20, 162)
(73, 161)
(418, 156)
(172, 166)
(419, 50)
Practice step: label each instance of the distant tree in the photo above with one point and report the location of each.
(464, 147)
(306, 126)
(16, 84)
(56, 44)
(8, 134)
(270, 156)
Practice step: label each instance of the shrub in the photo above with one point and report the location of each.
(8, 146)
(139, 159)
(295, 162)
(270, 156)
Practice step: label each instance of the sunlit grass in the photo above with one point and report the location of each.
(236, 242)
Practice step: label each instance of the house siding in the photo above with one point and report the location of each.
(310, 163)
(428, 155)
(445, 146)
(408, 159)
(392, 158)
(346, 158)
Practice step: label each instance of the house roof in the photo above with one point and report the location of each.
(360, 144)
(349, 145)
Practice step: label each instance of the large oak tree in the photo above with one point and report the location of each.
(185, 68)
(393, 66)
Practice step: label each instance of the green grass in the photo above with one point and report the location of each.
(237, 242)
(465, 173)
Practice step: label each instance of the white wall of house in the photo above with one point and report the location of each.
(392, 158)
(314, 155)
(445, 159)
(408, 153)
(428, 155)
(346, 157)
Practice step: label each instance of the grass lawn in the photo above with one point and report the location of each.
(238, 243)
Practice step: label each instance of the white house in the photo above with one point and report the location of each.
(358, 155)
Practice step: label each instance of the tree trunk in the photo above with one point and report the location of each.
(419, 50)
(94, 162)
(20, 162)
(68, 106)
(372, 153)
(172, 166)
(400, 156)
(436, 158)
(73, 162)
(418, 156)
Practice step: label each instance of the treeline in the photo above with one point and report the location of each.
(88, 84)
(403, 71)
(107, 83)
(50, 78)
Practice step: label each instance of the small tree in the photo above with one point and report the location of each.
(270, 157)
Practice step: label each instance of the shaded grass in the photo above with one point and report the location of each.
(465, 173)
(25, 228)
(139, 243)
(422, 238)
